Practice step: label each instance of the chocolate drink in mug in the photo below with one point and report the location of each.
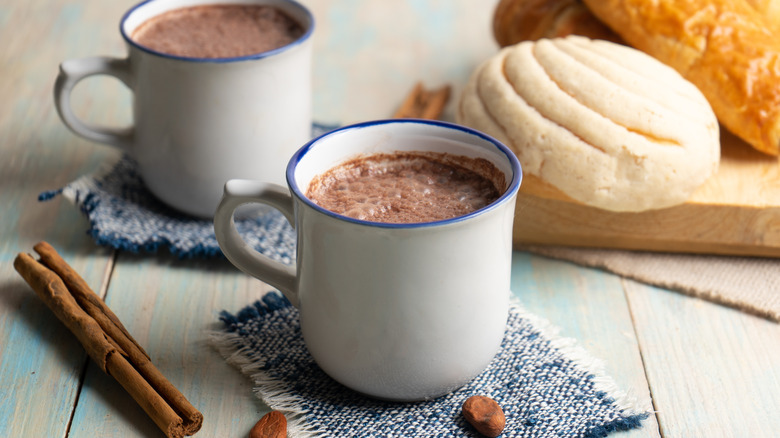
(407, 187)
(218, 31)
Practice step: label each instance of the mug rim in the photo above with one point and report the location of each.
(509, 193)
(303, 38)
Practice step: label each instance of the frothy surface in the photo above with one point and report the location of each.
(218, 31)
(403, 188)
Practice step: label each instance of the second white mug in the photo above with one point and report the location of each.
(198, 122)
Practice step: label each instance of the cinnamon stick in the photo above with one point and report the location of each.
(424, 104)
(107, 341)
(109, 322)
(87, 299)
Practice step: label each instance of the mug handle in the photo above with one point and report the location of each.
(72, 72)
(241, 191)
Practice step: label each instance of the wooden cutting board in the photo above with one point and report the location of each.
(735, 212)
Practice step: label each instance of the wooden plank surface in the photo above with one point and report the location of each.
(590, 307)
(714, 372)
(171, 306)
(41, 363)
(682, 352)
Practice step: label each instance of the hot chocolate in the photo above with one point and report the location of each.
(406, 187)
(218, 31)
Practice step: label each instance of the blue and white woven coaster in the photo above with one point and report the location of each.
(547, 386)
(124, 215)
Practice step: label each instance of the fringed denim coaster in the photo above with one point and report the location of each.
(547, 386)
(124, 215)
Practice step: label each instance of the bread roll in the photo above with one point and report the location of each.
(607, 125)
(527, 20)
(523, 20)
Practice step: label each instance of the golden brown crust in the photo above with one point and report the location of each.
(724, 47)
(529, 20)
(769, 9)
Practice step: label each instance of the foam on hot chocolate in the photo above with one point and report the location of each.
(218, 31)
(406, 187)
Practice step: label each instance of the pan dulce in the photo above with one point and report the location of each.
(218, 31)
(407, 187)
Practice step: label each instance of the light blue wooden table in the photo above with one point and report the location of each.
(710, 371)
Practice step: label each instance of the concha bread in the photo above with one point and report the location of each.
(607, 125)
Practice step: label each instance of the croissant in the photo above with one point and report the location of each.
(727, 48)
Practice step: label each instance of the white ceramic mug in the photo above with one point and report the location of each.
(395, 311)
(198, 122)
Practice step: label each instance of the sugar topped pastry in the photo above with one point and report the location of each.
(607, 125)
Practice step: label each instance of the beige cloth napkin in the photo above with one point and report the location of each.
(748, 284)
